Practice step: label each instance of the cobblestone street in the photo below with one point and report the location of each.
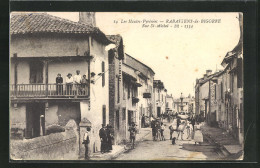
(164, 150)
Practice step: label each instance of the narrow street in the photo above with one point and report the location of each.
(164, 150)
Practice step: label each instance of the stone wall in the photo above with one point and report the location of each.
(56, 146)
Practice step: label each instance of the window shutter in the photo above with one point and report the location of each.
(103, 73)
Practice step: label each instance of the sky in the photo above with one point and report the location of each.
(177, 55)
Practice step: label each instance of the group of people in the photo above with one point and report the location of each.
(157, 130)
(180, 126)
(132, 130)
(80, 83)
(106, 137)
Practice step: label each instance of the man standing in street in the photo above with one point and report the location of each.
(193, 122)
(86, 141)
(103, 139)
(143, 121)
(132, 131)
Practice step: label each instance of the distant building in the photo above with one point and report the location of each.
(182, 106)
(169, 104)
(160, 93)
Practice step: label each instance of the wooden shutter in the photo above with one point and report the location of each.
(104, 114)
(103, 73)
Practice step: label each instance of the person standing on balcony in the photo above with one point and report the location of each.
(84, 84)
(69, 84)
(77, 80)
(59, 86)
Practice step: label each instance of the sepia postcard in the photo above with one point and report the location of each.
(132, 86)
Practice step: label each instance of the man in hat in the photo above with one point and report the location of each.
(69, 84)
(103, 138)
(59, 86)
(86, 141)
(77, 80)
(84, 84)
(109, 138)
(132, 129)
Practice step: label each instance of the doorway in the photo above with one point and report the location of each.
(158, 111)
(35, 120)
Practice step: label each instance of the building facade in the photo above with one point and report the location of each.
(37, 102)
(160, 93)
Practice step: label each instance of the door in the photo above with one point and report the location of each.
(158, 111)
(35, 120)
(130, 117)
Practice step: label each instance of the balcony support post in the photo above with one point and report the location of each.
(15, 74)
(46, 77)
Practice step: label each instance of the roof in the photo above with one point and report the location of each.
(141, 63)
(158, 84)
(216, 74)
(31, 23)
(238, 48)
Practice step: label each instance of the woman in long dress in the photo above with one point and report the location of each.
(198, 137)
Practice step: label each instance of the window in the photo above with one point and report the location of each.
(36, 72)
(128, 90)
(104, 114)
(215, 92)
(103, 73)
(123, 114)
(117, 119)
(130, 117)
(221, 89)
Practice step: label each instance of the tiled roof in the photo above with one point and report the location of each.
(29, 23)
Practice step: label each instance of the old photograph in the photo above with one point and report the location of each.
(128, 86)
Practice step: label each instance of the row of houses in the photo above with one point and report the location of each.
(119, 89)
(219, 96)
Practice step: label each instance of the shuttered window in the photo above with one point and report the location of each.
(103, 73)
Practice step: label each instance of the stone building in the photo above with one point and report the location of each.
(41, 46)
(137, 90)
(116, 115)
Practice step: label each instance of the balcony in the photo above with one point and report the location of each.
(147, 95)
(49, 91)
(135, 100)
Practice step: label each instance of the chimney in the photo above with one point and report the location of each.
(205, 76)
(88, 18)
(208, 72)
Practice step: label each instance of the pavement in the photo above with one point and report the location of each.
(119, 149)
(229, 146)
(147, 149)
